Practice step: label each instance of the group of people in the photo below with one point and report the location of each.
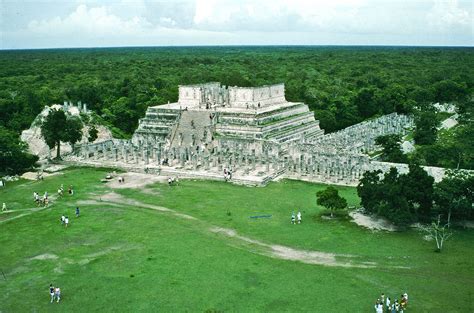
(227, 174)
(386, 305)
(296, 219)
(173, 181)
(65, 218)
(41, 200)
(55, 293)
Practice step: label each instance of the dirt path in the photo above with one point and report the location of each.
(292, 254)
(256, 246)
(28, 212)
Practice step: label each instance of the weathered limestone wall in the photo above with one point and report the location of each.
(242, 97)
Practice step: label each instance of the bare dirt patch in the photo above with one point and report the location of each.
(189, 217)
(33, 175)
(134, 180)
(45, 256)
(370, 222)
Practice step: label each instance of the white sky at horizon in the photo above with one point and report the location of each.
(26, 24)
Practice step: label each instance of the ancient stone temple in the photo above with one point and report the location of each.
(254, 132)
(209, 111)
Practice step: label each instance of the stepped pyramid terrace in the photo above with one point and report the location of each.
(252, 131)
(206, 111)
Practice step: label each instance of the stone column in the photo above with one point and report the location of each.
(86, 151)
(145, 156)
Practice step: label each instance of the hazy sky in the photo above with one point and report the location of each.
(90, 23)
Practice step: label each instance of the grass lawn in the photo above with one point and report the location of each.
(123, 257)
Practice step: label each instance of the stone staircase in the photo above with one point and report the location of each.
(194, 128)
(156, 126)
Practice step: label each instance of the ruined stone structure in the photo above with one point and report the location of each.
(254, 132)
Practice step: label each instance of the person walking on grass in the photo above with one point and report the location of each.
(66, 221)
(77, 211)
(298, 217)
(57, 293)
(387, 303)
(293, 217)
(4, 206)
(51, 292)
(378, 307)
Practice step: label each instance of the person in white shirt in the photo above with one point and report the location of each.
(57, 293)
(298, 217)
(378, 308)
(66, 221)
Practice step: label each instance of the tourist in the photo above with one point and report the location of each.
(382, 298)
(170, 180)
(77, 211)
(293, 217)
(60, 192)
(57, 293)
(51, 292)
(403, 303)
(4, 206)
(63, 218)
(66, 221)
(378, 307)
(395, 306)
(298, 217)
(387, 303)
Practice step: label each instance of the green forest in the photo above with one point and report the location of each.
(342, 85)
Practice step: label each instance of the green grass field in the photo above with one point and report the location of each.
(127, 253)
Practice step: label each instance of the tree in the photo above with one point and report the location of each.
(426, 127)
(73, 131)
(53, 128)
(440, 233)
(454, 195)
(93, 132)
(369, 188)
(402, 199)
(367, 102)
(391, 145)
(57, 127)
(329, 198)
(417, 187)
(14, 157)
